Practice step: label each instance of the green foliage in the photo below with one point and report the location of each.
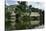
(22, 22)
(7, 18)
(21, 7)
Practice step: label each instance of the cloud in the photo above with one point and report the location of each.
(39, 5)
(7, 3)
(36, 4)
(11, 2)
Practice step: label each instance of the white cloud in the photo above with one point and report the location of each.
(11, 0)
(33, 0)
(39, 5)
(7, 4)
(34, 3)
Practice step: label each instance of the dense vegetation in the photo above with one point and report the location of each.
(22, 22)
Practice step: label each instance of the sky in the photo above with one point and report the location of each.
(36, 4)
(10, 2)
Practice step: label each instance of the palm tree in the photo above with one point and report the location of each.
(21, 9)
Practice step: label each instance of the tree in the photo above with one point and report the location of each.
(7, 18)
(20, 9)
